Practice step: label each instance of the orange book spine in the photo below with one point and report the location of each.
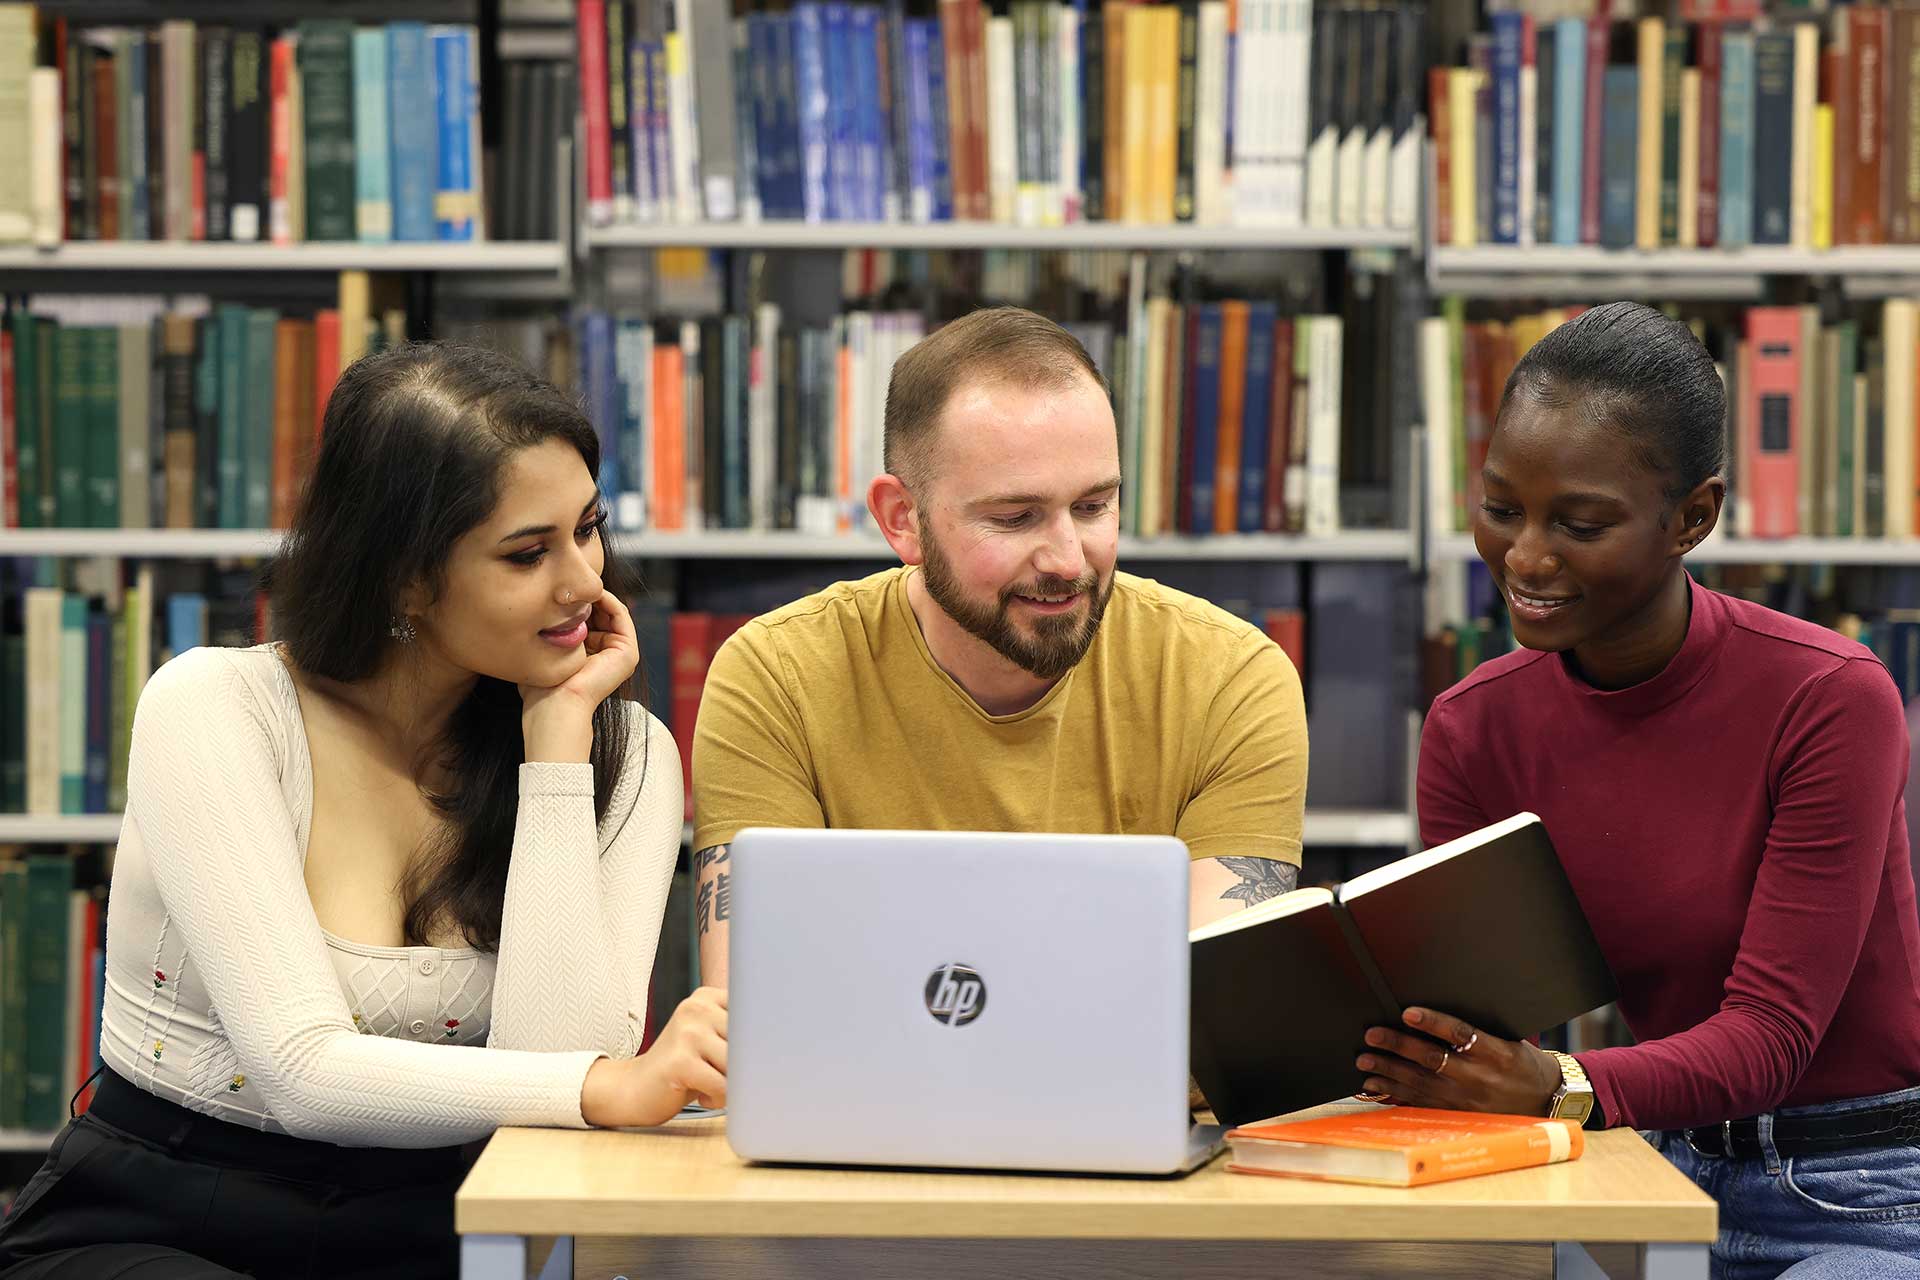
(280, 75)
(1233, 406)
(326, 366)
(669, 436)
(1516, 1149)
(1442, 135)
(287, 402)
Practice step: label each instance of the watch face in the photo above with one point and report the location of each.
(1575, 1107)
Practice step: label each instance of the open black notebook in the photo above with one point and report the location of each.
(1485, 927)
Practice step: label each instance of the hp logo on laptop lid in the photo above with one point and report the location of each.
(956, 995)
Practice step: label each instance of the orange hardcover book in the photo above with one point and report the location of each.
(1233, 406)
(326, 366)
(669, 437)
(1403, 1146)
(1770, 422)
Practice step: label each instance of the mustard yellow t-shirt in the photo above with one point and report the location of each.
(831, 712)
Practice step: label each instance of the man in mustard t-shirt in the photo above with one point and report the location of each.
(1007, 678)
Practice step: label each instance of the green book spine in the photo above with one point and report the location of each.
(26, 416)
(49, 882)
(259, 417)
(206, 424)
(73, 704)
(326, 105)
(103, 427)
(13, 995)
(233, 400)
(1844, 411)
(1454, 308)
(71, 419)
(45, 371)
(1674, 62)
(120, 713)
(13, 722)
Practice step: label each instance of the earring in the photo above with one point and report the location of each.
(402, 630)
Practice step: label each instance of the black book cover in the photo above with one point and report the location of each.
(210, 125)
(74, 79)
(1773, 134)
(1183, 175)
(786, 482)
(156, 141)
(1545, 78)
(247, 139)
(713, 417)
(1486, 928)
(1093, 122)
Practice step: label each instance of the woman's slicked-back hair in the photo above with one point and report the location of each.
(414, 446)
(1629, 367)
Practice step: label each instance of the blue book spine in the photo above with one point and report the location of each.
(1619, 164)
(453, 193)
(186, 621)
(810, 85)
(869, 115)
(1206, 418)
(920, 197)
(1569, 126)
(1256, 421)
(372, 149)
(1508, 31)
(786, 116)
(1772, 193)
(660, 124)
(601, 382)
(843, 105)
(936, 83)
(631, 361)
(412, 130)
(1736, 139)
(99, 705)
(138, 104)
(760, 74)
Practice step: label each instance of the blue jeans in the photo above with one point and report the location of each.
(1854, 1214)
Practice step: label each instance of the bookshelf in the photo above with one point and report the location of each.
(212, 544)
(343, 255)
(1720, 549)
(66, 828)
(1761, 260)
(1181, 237)
(25, 1141)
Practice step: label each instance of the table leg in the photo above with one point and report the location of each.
(1676, 1262)
(495, 1257)
(1573, 1262)
(560, 1261)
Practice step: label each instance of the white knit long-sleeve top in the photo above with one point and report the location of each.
(225, 995)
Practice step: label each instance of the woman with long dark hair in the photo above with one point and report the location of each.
(391, 882)
(1724, 785)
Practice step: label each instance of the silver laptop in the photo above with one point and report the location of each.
(961, 1000)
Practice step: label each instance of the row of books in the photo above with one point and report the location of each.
(1282, 113)
(184, 131)
(1653, 134)
(52, 988)
(1229, 416)
(1821, 422)
(134, 413)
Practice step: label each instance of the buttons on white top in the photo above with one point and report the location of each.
(426, 964)
(419, 1026)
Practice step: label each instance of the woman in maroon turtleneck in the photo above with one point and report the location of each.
(1724, 786)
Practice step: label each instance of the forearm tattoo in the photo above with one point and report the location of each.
(713, 900)
(1260, 879)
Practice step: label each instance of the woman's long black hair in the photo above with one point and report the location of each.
(413, 447)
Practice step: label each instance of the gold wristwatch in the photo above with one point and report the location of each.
(1573, 1100)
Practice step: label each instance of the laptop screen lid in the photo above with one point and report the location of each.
(977, 1000)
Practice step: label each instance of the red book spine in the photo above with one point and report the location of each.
(1279, 438)
(106, 150)
(953, 43)
(1442, 118)
(977, 116)
(280, 73)
(1867, 86)
(592, 23)
(1288, 629)
(326, 366)
(1770, 426)
(9, 435)
(1708, 231)
(89, 1046)
(1599, 29)
(691, 653)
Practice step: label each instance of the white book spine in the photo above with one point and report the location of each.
(1899, 324)
(1806, 83)
(1003, 157)
(683, 118)
(1689, 159)
(43, 114)
(1323, 427)
(1210, 116)
(1067, 22)
(43, 700)
(1246, 161)
(1436, 405)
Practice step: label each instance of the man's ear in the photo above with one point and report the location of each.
(1699, 514)
(895, 511)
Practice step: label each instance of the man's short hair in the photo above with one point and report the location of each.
(1008, 345)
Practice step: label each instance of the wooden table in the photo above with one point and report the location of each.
(677, 1201)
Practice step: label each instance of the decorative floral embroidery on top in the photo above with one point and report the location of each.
(452, 1023)
(159, 979)
(159, 1047)
(239, 1083)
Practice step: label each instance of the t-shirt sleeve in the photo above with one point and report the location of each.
(1250, 793)
(1448, 807)
(1841, 767)
(751, 763)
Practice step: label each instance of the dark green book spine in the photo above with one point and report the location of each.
(49, 881)
(13, 722)
(232, 451)
(26, 416)
(45, 381)
(1188, 90)
(103, 427)
(119, 714)
(326, 104)
(13, 995)
(259, 416)
(1674, 61)
(72, 423)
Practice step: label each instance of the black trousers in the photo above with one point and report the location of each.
(141, 1188)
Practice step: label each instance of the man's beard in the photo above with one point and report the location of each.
(1057, 641)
